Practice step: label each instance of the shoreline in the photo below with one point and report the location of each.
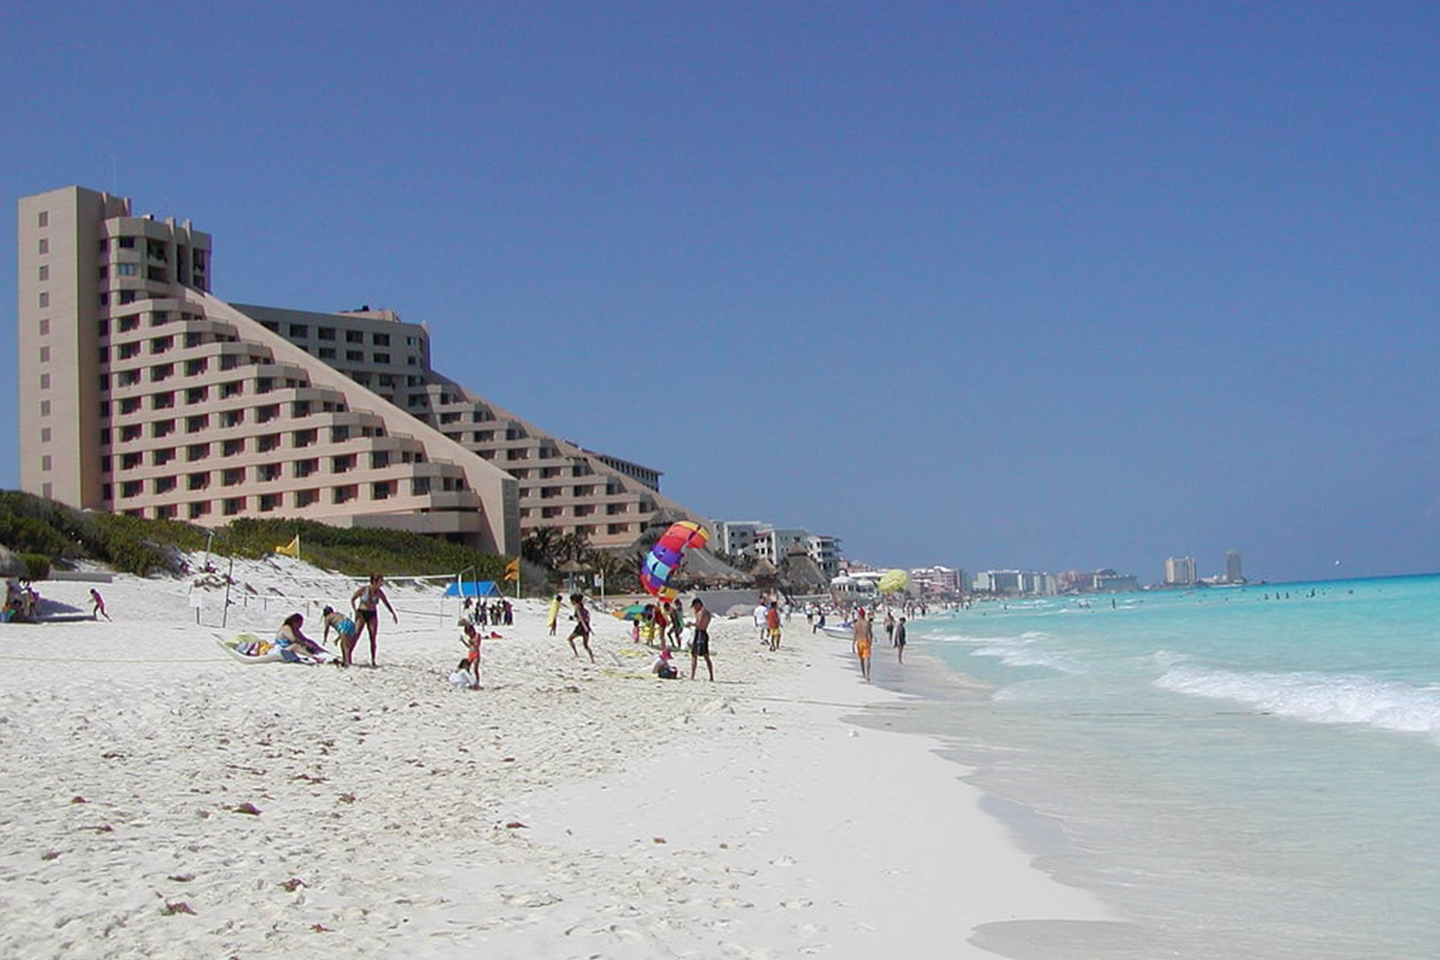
(567, 809)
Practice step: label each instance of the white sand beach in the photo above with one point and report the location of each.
(161, 799)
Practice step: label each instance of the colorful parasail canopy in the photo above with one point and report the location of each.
(664, 560)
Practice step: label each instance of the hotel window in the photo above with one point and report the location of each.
(161, 457)
(382, 358)
(197, 451)
(232, 418)
(44, 408)
(44, 218)
(124, 269)
(381, 491)
(162, 372)
(343, 494)
(268, 442)
(44, 381)
(356, 356)
(45, 462)
(327, 353)
(45, 435)
(126, 243)
(196, 424)
(162, 401)
(231, 389)
(303, 438)
(161, 344)
(232, 448)
(45, 328)
(269, 501)
(104, 299)
(234, 506)
(131, 488)
(45, 299)
(45, 245)
(197, 481)
(303, 498)
(128, 378)
(129, 323)
(267, 413)
(299, 330)
(193, 368)
(130, 432)
(44, 272)
(197, 394)
(164, 484)
(198, 510)
(304, 468)
(270, 471)
(162, 428)
(127, 296)
(233, 477)
(340, 434)
(354, 336)
(341, 464)
(326, 333)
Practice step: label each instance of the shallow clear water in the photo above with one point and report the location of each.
(1247, 771)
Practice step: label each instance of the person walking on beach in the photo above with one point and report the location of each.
(553, 617)
(772, 624)
(365, 602)
(97, 605)
(760, 621)
(900, 641)
(700, 643)
(581, 616)
(862, 642)
(890, 625)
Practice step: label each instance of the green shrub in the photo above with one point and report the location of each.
(38, 565)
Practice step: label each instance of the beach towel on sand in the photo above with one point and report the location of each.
(248, 648)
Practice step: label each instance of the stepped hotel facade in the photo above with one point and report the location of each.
(142, 393)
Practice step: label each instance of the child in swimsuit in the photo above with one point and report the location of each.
(345, 631)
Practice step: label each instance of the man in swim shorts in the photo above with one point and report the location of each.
(862, 642)
(700, 643)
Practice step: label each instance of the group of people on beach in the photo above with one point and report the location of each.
(365, 605)
(864, 638)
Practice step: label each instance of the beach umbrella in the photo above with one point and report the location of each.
(893, 581)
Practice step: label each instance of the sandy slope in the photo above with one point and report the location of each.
(567, 809)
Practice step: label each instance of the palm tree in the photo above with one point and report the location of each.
(539, 546)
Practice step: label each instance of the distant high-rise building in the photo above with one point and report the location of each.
(1232, 567)
(1180, 571)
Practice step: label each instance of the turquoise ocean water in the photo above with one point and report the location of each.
(1245, 772)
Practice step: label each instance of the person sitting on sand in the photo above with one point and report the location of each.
(97, 605)
(366, 602)
(294, 645)
(662, 667)
(470, 638)
(581, 616)
(346, 633)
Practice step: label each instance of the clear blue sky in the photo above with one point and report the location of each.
(1048, 285)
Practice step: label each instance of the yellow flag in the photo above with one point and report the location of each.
(512, 569)
(291, 549)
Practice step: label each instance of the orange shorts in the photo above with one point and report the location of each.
(862, 647)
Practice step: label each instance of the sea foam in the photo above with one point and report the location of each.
(1317, 698)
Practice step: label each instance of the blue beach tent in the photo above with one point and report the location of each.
(472, 588)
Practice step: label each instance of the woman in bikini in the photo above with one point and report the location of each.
(345, 631)
(366, 601)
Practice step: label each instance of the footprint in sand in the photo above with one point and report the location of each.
(796, 904)
(783, 862)
(730, 903)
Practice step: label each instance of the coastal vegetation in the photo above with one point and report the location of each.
(47, 533)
